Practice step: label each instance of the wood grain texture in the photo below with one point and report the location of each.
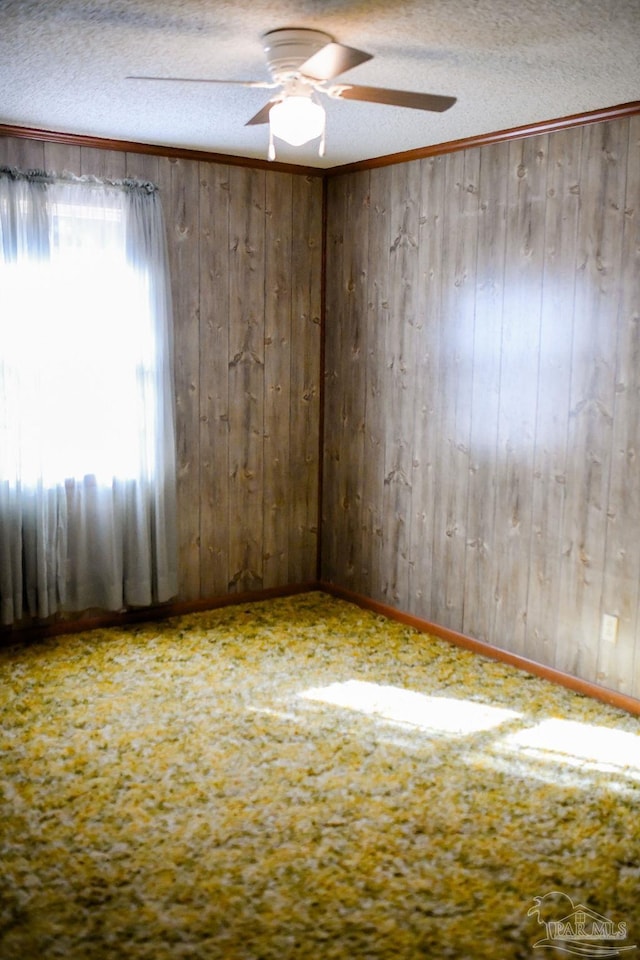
(591, 402)
(378, 183)
(334, 475)
(59, 158)
(245, 249)
(107, 163)
(618, 665)
(179, 183)
(549, 484)
(401, 334)
(524, 398)
(22, 154)
(110, 146)
(350, 363)
(520, 354)
(214, 379)
(277, 387)
(453, 419)
(517, 314)
(429, 329)
(616, 112)
(246, 378)
(485, 352)
(304, 382)
(346, 299)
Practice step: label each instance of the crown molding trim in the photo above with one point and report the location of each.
(617, 112)
(156, 150)
(499, 136)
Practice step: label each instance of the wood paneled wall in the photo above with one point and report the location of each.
(482, 425)
(245, 249)
(482, 383)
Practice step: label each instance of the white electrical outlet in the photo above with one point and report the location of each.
(609, 629)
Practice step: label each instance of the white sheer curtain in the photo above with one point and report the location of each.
(87, 436)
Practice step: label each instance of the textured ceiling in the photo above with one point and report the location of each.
(63, 65)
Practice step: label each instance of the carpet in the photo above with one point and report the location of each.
(301, 778)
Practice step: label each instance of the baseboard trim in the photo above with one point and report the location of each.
(40, 631)
(182, 607)
(585, 687)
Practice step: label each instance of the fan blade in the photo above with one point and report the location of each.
(395, 98)
(262, 116)
(263, 84)
(331, 60)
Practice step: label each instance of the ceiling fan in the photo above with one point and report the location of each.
(302, 63)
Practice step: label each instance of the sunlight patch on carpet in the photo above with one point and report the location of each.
(578, 744)
(442, 715)
(301, 778)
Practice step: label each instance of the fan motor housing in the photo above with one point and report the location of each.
(286, 50)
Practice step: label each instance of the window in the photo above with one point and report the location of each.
(87, 461)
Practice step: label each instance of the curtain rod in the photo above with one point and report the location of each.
(45, 176)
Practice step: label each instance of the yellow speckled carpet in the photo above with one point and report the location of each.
(299, 778)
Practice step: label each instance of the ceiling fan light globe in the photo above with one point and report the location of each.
(297, 120)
